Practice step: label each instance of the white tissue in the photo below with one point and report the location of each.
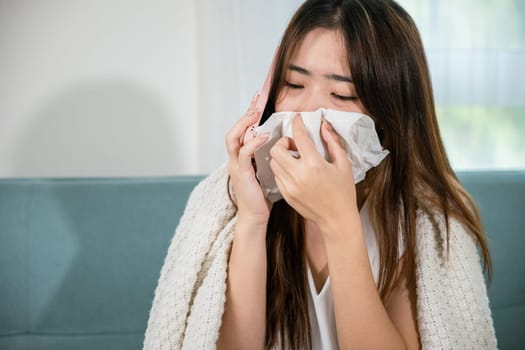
(357, 131)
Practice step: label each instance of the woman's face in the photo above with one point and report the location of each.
(319, 77)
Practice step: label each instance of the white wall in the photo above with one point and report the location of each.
(96, 88)
(137, 88)
(127, 88)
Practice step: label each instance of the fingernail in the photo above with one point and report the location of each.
(263, 136)
(328, 125)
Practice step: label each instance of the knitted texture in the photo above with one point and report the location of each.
(452, 304)
(191, 292)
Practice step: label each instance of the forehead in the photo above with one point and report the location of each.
(322, 51)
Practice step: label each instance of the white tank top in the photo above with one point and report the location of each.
(321, 306)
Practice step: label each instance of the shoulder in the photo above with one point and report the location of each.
(433, 228)
(442, 245)
(207, 211)
(453, 307)
(212, 193)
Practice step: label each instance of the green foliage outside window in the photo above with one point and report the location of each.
(476, 54)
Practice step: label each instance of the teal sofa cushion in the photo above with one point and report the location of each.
(80, 258)
(501, 199)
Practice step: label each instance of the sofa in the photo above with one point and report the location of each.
(80, 258)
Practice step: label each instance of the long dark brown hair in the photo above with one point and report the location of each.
(391, 77)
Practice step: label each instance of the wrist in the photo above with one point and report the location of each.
(258, 221)
(250, 227)
(337, 229)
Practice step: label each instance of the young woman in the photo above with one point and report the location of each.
(301, 273)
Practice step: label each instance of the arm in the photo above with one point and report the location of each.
(362, 321)
(244, 319)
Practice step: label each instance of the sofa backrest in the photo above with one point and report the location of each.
(80, 258)
(501, 199)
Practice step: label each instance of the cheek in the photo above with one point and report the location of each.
(361, 109)
(290, 100)
(284, 102)
(356, 107)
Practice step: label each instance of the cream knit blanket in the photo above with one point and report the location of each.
(452, 304)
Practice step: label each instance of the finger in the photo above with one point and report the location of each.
(280, 175)
(334, 144)
(286, 143)
(331, 129)
(233, 137)
(280, 152)
(305, 145)
(253, 103)
(246, 152)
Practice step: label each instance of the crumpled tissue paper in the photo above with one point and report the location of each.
(356, 130)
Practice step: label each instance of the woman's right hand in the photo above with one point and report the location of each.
(253, 208)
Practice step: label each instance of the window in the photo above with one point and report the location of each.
(476, 54)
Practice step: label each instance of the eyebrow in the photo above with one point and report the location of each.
(335, 77)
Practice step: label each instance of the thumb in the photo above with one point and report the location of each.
(333, 143)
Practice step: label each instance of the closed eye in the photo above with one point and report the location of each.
(293, 86)
(345, 98)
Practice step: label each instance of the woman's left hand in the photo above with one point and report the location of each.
(321, 191)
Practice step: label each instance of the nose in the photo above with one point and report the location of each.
(312, 100)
